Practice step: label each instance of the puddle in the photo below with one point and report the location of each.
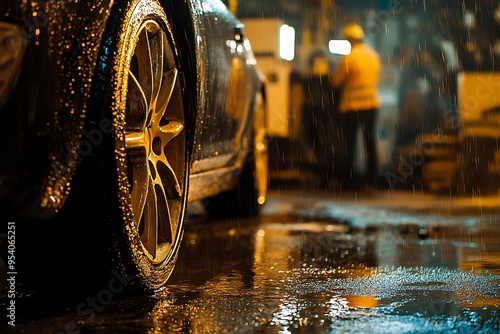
(307, 274)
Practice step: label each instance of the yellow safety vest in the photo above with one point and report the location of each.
(357, 75)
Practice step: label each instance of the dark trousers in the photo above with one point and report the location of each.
(350, 122)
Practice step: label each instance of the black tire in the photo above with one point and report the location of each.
(124, 216)
(240, 201)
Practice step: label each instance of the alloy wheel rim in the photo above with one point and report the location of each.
(155, 142)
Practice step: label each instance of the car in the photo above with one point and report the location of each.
(116, 114)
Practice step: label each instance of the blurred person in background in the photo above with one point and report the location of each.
(357, 77)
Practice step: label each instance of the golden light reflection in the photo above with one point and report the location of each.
(362, 301)
(279, 250)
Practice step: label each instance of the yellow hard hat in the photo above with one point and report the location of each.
(353, 32)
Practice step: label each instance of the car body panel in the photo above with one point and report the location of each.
(47, 108)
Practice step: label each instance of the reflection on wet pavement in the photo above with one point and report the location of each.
(313, 269)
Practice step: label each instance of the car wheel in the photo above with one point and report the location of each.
(261, 150)
(146, 102)
(139, 88)
(246, 199)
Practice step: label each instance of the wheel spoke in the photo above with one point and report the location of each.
(140, 191)
(168, 177)
(170, 131)
(164, 218)
(157, 55)
(173, 185)
(138, 104)
(135, 140)
(143, 54)
(149, 236)
(167, 87)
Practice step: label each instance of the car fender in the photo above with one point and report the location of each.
(77, 27)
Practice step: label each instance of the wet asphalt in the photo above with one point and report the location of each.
(315, 262)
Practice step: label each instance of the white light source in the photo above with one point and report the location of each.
(339, 47)
(287, 42)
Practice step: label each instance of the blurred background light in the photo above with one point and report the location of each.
(287, 42)
(339, 47)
